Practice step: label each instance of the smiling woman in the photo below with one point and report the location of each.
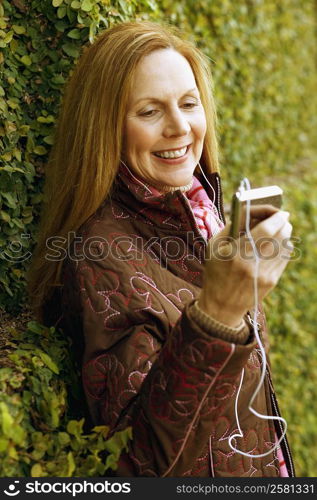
(165, 125)
(159, 321)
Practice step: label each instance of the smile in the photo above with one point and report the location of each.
(175, 153)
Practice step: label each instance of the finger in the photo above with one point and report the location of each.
(274, 268)
(274, 249)
(274, 259)
(283, 239)
(270, 226)
(263, 211)
(257, 213)
(267, 247)
(285, 233)
(272, 277)
(279, 240)
(260, 212)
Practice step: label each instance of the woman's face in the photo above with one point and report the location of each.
(165, 123)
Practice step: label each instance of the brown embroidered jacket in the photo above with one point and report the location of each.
(134, 271)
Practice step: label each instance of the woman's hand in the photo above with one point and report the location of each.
(228, 286)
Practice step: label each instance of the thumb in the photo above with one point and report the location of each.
(220, 245)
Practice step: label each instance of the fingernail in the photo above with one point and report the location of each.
(284, 213)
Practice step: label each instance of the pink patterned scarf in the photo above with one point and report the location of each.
(205, 212)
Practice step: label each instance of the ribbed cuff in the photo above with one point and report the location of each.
(238, 335)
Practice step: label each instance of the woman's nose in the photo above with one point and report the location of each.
(176, 124)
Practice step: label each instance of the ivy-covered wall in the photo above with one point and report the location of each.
(263, 56)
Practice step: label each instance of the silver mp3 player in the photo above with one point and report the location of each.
(269, 195)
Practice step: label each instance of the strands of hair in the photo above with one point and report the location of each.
(89, 136)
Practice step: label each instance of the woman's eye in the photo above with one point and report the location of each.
(189, 105)
(148, 113)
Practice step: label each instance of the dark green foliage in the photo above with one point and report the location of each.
(263, 56)
(37, 436)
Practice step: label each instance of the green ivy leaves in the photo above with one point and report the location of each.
(36, 437)
(40, 42)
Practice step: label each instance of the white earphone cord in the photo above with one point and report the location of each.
(215, 214)
(264, 362)
(255, 326)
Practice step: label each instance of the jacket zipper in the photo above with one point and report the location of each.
(277, 413)
(221, 217)
(273, 399)
(211, 462)
(275, 405)
(194, 223)
(219, 208)
(185, 200)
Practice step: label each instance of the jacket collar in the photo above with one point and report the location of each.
(170, 211)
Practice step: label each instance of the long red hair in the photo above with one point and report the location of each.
(86, 153)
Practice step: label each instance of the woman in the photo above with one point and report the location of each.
(133, 196)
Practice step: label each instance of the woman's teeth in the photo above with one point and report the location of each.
(177, 153)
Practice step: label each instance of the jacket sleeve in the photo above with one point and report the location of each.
(166, 382)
